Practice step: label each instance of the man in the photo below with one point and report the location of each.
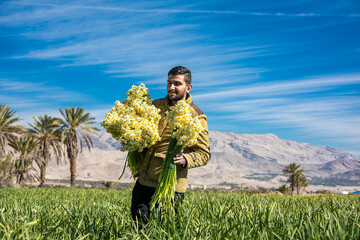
(178, 88)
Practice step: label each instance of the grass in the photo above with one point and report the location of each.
(46, 213)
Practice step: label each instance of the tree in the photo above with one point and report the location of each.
(296, 176)
(301, 183)
(5, 167)
(75, 126)
(283, 189)
(46, 130)
(7, 128)
(27, 151)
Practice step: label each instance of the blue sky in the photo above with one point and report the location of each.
(291, 68)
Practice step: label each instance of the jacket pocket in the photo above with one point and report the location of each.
(156, 166)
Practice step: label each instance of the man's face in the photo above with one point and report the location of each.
(177, 88)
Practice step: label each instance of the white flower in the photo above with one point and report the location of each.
(186, 128)
(134, 121)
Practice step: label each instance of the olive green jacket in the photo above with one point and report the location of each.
(196, 156)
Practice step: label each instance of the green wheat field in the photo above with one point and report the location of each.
(60, 213)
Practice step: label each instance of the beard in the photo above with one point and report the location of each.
(177, 97)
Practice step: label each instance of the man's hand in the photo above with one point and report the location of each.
(180, 159)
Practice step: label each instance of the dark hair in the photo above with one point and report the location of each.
(180, 70)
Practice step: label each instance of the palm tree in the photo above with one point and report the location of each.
(295, 172)
(5, 167)
(46, 130)
(302, 182)
(7, 129)
(27, 148)
(283, 189)
(75, 126)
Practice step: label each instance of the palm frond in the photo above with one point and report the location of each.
(8, 130)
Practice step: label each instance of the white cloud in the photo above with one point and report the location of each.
(136, 53)
(308, 85)
(53, 10)
(29, 98)
(42, 91)
(333, 118)
(284, 14)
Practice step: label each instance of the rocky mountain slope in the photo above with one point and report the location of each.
(236, 158)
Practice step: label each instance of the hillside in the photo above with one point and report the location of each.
(236, 158)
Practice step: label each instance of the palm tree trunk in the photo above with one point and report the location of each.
(292, 184)
(298, 188)
(46, 158)
(21, 180)
(2, 151)
(72, 154)
(72, 171)
(43, 174)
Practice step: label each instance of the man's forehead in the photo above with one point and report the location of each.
(180, 78)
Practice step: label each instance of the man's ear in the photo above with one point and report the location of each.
(188, 88)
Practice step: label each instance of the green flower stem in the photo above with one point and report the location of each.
(133, 160)
(165, 191)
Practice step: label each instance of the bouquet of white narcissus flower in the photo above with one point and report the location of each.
(134, 122)
(186, 130)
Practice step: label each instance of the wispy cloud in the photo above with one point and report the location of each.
(333, 119)
(121, 46)
(97, 42)
(285, 87)
(129, 52)
(334, 116)
(273, 14)
(283, 14)
(22, 95)
(31, 99)
(54, 9)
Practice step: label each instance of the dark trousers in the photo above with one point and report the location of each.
(141, 197)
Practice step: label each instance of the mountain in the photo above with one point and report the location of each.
(236, 158)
